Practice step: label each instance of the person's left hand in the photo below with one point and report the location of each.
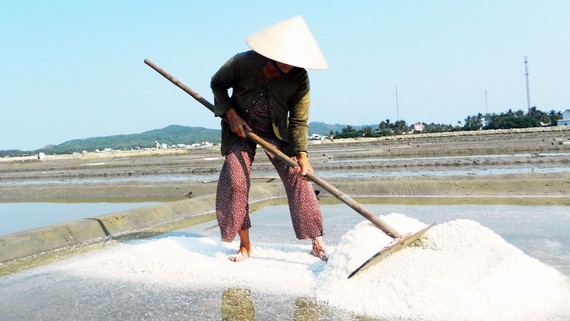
(304, 166)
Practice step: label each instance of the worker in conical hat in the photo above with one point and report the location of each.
(270, 97)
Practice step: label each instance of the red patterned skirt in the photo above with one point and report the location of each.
(232, 198)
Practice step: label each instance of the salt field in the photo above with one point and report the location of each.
(442, 172)
(478, 263)
(327, 165)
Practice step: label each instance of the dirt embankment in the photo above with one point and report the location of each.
(366, 167)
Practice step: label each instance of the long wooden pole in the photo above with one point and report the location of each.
(290, 162)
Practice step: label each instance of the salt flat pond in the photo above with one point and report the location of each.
(17, 217)
(481, 262)
(364, 173)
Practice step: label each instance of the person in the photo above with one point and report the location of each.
(270, 97)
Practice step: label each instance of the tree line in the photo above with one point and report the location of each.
(505, 120)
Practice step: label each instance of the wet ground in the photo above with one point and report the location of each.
(125, 281)
(534, 162)
(480, 263)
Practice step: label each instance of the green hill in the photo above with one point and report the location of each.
(171, 135)
(324, 128)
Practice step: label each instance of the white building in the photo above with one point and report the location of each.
(316, 137)
(565, 121)
(418, 127)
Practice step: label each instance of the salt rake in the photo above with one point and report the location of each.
(400, 241)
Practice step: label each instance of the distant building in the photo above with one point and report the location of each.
(317, 137)
(565, 121)
(199, 145)
(418, 127)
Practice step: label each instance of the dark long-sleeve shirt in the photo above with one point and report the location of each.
(288, 98)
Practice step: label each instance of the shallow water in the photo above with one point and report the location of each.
(445, 171)
(479, 263)
(378, 172)
(144, 178)
(391, 159)
(17, 217)
(367, 173)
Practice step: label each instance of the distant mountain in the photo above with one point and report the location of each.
(173, 134)
(325, 129)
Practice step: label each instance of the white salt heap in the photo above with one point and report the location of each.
(462, 271)
(202, 262)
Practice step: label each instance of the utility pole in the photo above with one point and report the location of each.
(486, 104)
(527, 87)
(397, 105)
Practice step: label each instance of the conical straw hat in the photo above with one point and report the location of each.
(290, 42)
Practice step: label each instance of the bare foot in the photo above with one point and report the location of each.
(241, 255)
(319, 249)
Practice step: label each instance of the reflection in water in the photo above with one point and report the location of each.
(237, 305)
(306, 310)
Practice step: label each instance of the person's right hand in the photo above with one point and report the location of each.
(237, 123)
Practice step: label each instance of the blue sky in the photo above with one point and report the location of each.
(74, 69)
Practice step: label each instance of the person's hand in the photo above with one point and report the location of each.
(237, 123)
(304, 166)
